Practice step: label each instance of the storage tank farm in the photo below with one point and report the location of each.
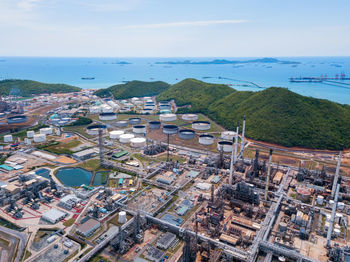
(187, 134)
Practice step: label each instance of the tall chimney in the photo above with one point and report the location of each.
(268, 174)
(231, 166)
(336, 176)
(242, 143)
(236, 143)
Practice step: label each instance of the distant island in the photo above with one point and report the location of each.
(121, 63)
(28, 88)
(224, 62)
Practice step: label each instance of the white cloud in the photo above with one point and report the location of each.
(28, 4)
(110, 5)
(186, 23)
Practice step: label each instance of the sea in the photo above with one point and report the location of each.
(252, 74)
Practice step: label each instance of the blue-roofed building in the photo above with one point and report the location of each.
(187, 202)
(215, 179)
(6, 167)
(192, 174)
(173, 219)
(182, 210)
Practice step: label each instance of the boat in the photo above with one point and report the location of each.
(88, 78)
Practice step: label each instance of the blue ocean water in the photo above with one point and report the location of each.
(109, 71)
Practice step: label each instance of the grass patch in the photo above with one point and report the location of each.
(4, 242)
(69, 222)
(8, 224)
(63, 148)
(77, 129)
(92, 164)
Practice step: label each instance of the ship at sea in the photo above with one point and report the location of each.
(88, 78)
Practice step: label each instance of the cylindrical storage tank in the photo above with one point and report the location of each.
(138, 142)
(38, 138)
(167, 117)
(206, 139)
(147, 111)
(170, 129)
(46, 131)
(187, 134)
(201, 125)
(125, 138)
(281, 259)
(134, 120)
(121, 123)
(16, 119)
(341, 206)
(139, 129)
(27, 141)
(336, 232)
(122, 217)
(303, 194)
(228, 135)
(8, 138)
(115, 134)
(320, 200)
(331, 203)
(154, 124)
(225, 146)
(338, 218)
(189, 117)
(107, 116)
(93, 129)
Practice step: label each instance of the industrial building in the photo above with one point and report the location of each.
(86, 154)
(88, 228)
(166, 240)
(54, 215)
(69, 201)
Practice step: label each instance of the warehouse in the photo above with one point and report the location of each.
(54, 215)
(88, 227)
(69, 201)
(86, 154)
(166, 240)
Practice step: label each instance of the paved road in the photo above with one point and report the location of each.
(22, 240)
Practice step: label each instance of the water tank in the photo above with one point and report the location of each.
(16, 119)
(108, 116)
(331, 203)
(30, 133)
(115, 134)
(27, 141)
(134, 120)
(201, 125)
(8, 138)
(93, 129)
(122, 217)
(206, 139)
(121, 123)
(38, 138)
(228, 135)
(341, 205)
(139, 129)
(138, 142)
(320, 200)
(154, 124)
(125, 138)
(189, 117)
(46, 131)
(336, 232)
(225, 146)
(170, 129)
(167, 117)
(303, 194)
(281, 259)
(187, 134)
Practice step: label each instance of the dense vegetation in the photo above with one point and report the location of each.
(195, 93)
(133, 89)
(274, 115)
(81, 121)
(28, 88)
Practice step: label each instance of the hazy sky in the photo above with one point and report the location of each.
(154, 28)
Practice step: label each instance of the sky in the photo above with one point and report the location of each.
(174, 28)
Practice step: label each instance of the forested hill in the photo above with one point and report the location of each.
(196, 93)
(27, 88)
(133, 89)
(274, 115)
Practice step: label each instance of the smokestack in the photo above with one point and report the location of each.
(236, 143)
(242, 143)
(231, 166)
(268, 175)
(336, 176)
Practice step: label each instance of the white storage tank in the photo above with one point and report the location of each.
(8, 138)
(38, 138)
(108, 116)
(320, 200)
(125, 138)
(225, 146)
(201, 125)
(228, 135)
(336, 232)
(206, 140)
(331, 203)
(122, 217)
(27, 141)
(189, 117)
(115, 134)
(139, 129)
(46, 131)
(138, 142)
(30, 133)
(341, 206)
(167, 117)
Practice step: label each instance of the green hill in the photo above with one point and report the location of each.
(196, 93)
(274, 115)
(28, 87)
(133, 89)
(280, 116)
